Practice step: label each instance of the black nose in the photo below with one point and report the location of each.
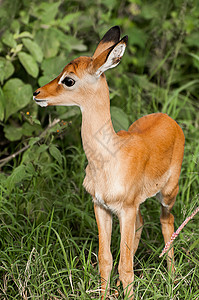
(36, 93)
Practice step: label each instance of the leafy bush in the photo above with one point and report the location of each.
(40, 38)
(42, 169)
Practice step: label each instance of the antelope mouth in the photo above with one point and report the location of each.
(41, 102)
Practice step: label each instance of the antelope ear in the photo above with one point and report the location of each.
(109, 39)
(110, 58)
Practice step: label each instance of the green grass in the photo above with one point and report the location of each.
(48, 233)
(49, 238)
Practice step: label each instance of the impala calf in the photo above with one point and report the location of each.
(124, 168)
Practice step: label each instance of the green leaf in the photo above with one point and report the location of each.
(54, 151)
(29, 64)
(27, 129)
(195, 59)
(69, 42)
(69, 18)
(66, 113)
(137, 37)
(192, 39)
(12, 133)
(17, 49)
(149, 11)
(25, 17)
(119, 118)
(24, 34)
(109, 4)
(3, 179)
(17, 176)
(49, 12)
(30, 168)
(51, 68)
(9, 40)
(2, 105)
(76, 44)
(6, 69)
(33, 140)
(47, 39)
(35, 120)
(45, 79)
(17, 95)
(42, 148)
(34, 49)
(15, 26)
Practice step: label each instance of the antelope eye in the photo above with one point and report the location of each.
(68, 81)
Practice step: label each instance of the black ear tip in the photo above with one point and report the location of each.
(113, 34)
(125, 39)
(115, 28)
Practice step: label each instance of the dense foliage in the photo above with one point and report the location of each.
(48, 241)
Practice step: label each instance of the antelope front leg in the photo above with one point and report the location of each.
(104, 223)
(127, 219)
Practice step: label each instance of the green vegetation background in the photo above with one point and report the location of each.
(48, 234)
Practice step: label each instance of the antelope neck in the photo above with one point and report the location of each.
(98, 135)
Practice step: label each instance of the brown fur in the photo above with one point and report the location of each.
(124, 168)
